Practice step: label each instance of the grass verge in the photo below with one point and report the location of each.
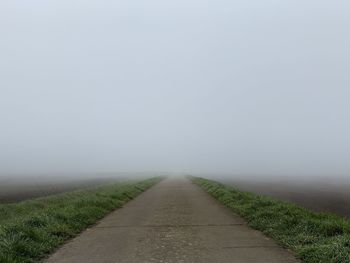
(314, 237)
(31, 229)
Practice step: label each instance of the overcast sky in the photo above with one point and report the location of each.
(218, 86)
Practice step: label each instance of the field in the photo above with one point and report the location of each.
(31, 229)
(19, 188)
(313, 237)
(321, 195)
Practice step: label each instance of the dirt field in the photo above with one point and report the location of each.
(325, 195)
(21, 188)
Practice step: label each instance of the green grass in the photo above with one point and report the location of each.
(313, 237)
(31, 229)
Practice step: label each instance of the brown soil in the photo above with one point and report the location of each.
(322, 195)
(14, 190)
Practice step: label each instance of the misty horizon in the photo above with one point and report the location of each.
(222, 88)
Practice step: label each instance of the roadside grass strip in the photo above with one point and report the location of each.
(313, 237)
(31, 229)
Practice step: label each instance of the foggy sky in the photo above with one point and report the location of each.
(193, 86)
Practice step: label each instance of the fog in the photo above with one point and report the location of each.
(220, 87)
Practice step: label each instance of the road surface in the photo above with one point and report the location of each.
(174, 221)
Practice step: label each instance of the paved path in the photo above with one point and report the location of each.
(174, 221)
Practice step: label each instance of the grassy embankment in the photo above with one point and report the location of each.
(31, 229)
(314, 237)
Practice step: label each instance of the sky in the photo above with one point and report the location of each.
(189, 86)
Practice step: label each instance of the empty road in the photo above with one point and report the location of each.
(174, 221)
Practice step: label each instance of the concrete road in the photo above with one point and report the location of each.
(174, 221)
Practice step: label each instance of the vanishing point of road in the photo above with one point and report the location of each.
(174, 221)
